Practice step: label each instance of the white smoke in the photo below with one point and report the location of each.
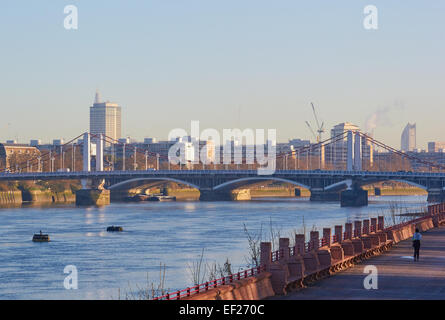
(381, 117)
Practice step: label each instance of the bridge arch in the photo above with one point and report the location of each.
(414, 184)
(120, 185)
(233, 184)
(342, 185)
(347, 183)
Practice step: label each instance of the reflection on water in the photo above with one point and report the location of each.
(173, 233)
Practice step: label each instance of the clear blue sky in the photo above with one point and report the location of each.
(227, 63)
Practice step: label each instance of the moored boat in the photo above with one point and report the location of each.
(115, 229)
(40, 237)
(162, 198)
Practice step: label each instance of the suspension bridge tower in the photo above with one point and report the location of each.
(93, 192)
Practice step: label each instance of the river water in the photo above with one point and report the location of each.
(109, 265)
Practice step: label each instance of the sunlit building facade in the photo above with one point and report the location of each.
(105, 118)
(408, 140)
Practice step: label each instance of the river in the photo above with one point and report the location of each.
(109, 265)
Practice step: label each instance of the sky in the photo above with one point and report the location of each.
(226, 63)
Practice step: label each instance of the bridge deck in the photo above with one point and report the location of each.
(399, 277)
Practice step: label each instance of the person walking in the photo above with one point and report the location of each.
(416, 244)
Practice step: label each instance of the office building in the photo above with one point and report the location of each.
(336, 153)
(105, 118)
(436, 146)
(13, 154)
(408, 140)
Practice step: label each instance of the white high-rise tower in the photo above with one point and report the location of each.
(105, 118)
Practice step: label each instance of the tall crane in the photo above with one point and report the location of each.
(320, 128)
(312, 130)
(318, 137)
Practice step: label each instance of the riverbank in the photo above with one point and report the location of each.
(11, 197)
(43, 192)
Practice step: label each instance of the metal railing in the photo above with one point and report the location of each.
(203, 287)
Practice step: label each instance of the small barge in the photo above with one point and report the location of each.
(40, 237)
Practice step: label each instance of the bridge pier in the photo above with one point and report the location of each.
(92, 193)
(224, 195)
(322, 195)
(436, 195)
(92, 197)
(355, 197)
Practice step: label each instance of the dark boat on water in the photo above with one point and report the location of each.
(115, 229)
(40, 237)
(162, 198)
(137, 198)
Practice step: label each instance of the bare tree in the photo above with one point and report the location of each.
(150, 291)
(197, 270)
(254, 243)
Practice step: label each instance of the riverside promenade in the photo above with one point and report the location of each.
(305, 270)
(399, 277)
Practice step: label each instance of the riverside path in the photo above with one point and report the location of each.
(399, 277)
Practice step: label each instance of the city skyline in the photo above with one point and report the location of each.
(199, 61)
(105, 118)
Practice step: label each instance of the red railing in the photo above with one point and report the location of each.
(403, 224)
(300, 249)
(436, 208)
(310, 245)
(203, 287)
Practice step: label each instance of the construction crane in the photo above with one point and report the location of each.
(317, 137)
(320, 128)
(312, 131)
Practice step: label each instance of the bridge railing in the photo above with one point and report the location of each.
(206, 286)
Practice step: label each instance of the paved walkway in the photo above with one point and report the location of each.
(399, 277)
